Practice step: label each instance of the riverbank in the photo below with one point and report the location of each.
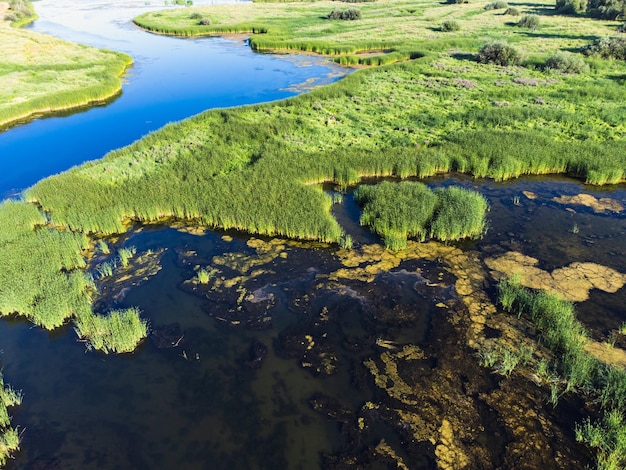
(43, 75)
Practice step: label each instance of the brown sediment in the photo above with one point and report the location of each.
(572, 282)
(607, 353)
(603, 204)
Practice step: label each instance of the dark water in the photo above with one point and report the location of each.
(201, 405)
(171, 79)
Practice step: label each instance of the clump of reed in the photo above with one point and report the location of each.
(555, 320)
(119, 331)
(9, 437)
(398, 211)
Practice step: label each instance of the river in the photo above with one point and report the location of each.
(287, 358)
(171, 79)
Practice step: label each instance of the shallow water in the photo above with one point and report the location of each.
(201, 401)
(171, 79)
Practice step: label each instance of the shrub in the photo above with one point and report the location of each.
(529, 21)
(512, 11)
(621, 28)
(10, 17)
(450, 25)
(196, 16)
(608, 48)
(571, 7)
(499, 53)
(204, 22)
(497, 5)
(566, 62)
(457, 1)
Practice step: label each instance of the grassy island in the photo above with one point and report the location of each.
(41, 74)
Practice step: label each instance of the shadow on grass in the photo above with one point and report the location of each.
(540, 35)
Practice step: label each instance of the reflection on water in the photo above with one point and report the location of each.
(280, 367)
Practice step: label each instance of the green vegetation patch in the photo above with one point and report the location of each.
(576, 369)
(397, 211)
(9, 437)
(40, 74)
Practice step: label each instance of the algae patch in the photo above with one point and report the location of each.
(573, 282)
(604, 204)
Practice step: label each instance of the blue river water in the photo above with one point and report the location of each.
(171, 79)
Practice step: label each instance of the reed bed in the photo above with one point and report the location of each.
(411, 210)
(559, 330)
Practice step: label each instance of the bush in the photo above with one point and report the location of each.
(196, 16)
(204, 22)
(450, 25)
(10, 17)
(512, 11)
(529, 21)
(621, 28)
(457, 1)
(497, 5)
(349, 14)
(608, 48)
(571, 7)
(566, 62)
(499, 53)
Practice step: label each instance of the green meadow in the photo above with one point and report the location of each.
(40, 74)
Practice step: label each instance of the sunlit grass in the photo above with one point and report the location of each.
(41, 74)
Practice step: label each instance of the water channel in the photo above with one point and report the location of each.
(275, 362)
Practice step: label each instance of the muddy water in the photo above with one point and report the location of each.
(278, 362)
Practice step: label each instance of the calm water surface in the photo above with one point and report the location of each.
(201, 404)
(171, 79)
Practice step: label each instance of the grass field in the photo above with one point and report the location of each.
(40, 74)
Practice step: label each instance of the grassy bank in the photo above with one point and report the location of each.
(41, 74)
(387, 30)
(575, 369)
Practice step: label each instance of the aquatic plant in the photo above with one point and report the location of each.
(119, 331)
(608, 436)
(407, 209)
(203, 276)
(125, 254)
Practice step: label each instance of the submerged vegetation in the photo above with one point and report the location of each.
(407, 209)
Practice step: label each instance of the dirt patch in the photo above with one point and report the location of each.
(4, 6)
